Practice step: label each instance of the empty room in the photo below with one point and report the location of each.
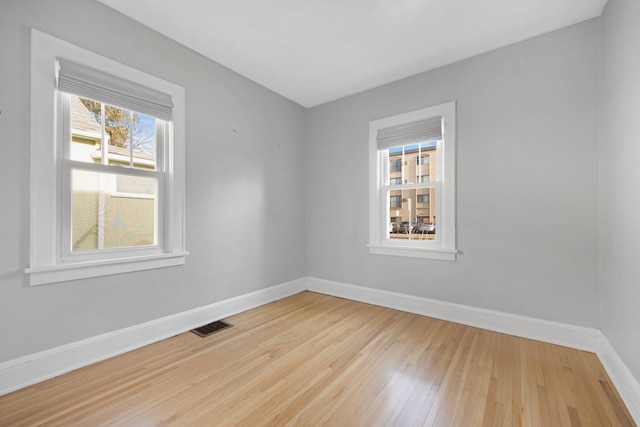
(359, 212)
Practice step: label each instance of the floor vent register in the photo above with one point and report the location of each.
(211, 328)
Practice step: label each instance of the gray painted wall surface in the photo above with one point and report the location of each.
(620, 180)
(527, 181)
(244, 181)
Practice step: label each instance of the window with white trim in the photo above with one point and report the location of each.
(419, 148)
(107, 166)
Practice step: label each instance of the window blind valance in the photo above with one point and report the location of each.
(94, 84)
(410, 133)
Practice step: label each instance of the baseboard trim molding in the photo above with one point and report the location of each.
(627, 385)
(28, 370)
(577, 337)
(34, 368)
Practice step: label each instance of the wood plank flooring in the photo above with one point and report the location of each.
(316, 360)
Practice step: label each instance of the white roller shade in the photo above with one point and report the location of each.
(410, 133)
(94, 84)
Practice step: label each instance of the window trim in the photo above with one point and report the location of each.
(46, 263)
(444, 247)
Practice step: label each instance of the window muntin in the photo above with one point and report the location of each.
(423, 142)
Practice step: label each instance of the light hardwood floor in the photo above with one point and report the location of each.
(313, 360)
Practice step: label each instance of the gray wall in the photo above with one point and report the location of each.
(527, 188)
(620, 180)
(527, 181)
(244, 181)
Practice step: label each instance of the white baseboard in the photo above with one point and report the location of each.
(31, 369)
(25, 371)
(627, 385)
(527, 327)
(578, 337)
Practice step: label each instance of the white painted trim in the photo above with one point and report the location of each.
(527, 327)
(82, 270)
(578, 337)
(444, 247)
(413, 252)
(25, 371)
(627, 385)
(31, 369)
(47, 185)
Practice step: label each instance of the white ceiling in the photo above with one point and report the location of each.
(316, 51)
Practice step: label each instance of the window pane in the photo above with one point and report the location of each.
(130, 136)
(412, 214)
(86, 131)
(112, 211)
(412, 164)
(425, 162)
(144, 141)
(118, 127)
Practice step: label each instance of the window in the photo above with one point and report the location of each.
(121, 159)
(423, 198)
(396, 165)
(116, 163)
(423, 143)
(395, 181)
(424, 160)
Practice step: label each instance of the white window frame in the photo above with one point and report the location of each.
(48, 261)
(444, 246)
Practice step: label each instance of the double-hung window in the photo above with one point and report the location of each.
(107, 166)
(412, 160)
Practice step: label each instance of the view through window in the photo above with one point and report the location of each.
(114, 176)
(412, 210)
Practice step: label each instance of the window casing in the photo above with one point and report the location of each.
(152, 185)
(428, 188)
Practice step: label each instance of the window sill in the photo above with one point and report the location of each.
(82, 270)
(425, 253)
